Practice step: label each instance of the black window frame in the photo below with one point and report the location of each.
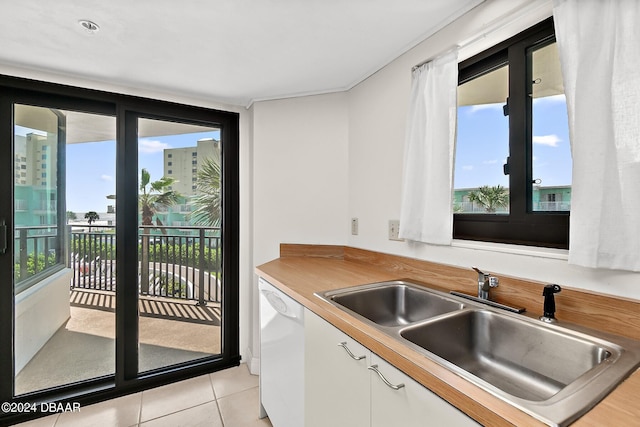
(522, 226)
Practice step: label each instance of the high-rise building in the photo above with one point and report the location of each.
(35, 178)
(182, 164)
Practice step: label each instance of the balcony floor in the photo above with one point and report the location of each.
(171, 331)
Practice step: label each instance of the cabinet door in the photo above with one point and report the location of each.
(411, 405)
(337, 386)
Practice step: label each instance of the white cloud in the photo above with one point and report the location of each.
(550, 140)
(467, 167)
(480, 107)
(106, 177)
(151, 146)
(489, 162)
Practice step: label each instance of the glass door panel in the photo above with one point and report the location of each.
(179, 243)
(64, 247)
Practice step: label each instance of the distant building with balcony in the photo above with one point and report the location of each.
(35, 179)
(182, 164)
(549, 199)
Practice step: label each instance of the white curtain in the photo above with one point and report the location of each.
(426, 213)
(599, 44)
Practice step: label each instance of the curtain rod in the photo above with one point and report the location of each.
(458, 46)
(534, 8)
(433, 58)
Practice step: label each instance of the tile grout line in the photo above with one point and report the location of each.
(215, 399)
(140, 411)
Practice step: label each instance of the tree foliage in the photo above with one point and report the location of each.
(490, 198)
(91, 217)
(207, 201)
(154, 194)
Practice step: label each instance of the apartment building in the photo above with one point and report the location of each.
(182, 164)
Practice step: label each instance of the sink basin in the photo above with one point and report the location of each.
(554, 372)
(393, 303)
(523, 359)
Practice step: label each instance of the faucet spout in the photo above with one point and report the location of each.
(485, 282)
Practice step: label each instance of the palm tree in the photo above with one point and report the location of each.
(207, 201)
(91, 217)
(490, 198)
(71, 216)
(153, 194)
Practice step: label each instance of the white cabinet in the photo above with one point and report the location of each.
(342, 391)
(336, 384)
(411, 405)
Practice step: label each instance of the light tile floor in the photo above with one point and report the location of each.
(226, 398)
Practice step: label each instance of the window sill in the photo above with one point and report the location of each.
(534, 251)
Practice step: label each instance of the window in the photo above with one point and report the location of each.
(169, 155)
(169, 163)
(512, 181)
(169, 172)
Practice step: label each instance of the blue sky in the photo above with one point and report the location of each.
(483, 138)
(481, 150)
(91, 167)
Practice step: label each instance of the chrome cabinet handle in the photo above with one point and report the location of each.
(374, 368)
(353, 356)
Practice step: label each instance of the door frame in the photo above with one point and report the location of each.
(126, 109)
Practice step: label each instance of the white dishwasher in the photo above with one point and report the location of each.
(281, 357)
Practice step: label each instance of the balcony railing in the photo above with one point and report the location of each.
(21, 205)
(472, 207)
(36, 252)
(181, 263)
(553, 206)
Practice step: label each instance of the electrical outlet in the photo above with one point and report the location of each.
(394, 229)
(354, 226)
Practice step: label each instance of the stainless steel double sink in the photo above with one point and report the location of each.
(554, 372)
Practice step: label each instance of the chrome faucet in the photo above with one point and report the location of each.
(485, 282)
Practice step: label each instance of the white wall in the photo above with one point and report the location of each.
(377, 116)
(300, 176)
(300, 159)
(39, 312)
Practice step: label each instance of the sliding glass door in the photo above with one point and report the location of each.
(180, 244)
(63, 247)
(118, 243)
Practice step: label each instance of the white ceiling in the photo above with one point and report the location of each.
(230, 51)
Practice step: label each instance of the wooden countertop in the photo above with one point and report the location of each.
(302, 270)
